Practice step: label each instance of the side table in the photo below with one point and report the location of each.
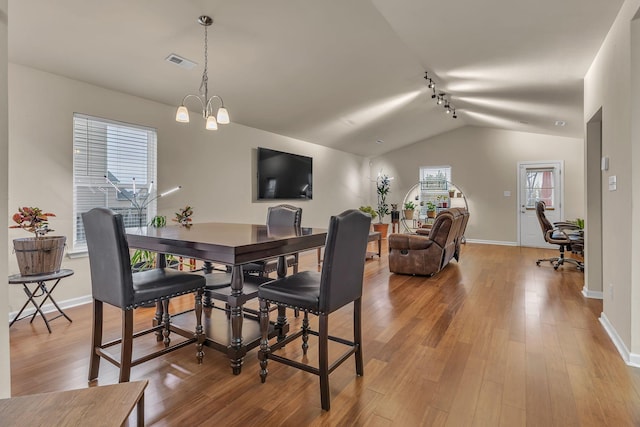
(40, 290)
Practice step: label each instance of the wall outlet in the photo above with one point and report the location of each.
(611, 291)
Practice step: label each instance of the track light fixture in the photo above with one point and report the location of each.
(440, 97)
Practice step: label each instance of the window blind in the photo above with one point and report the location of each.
(124, 153)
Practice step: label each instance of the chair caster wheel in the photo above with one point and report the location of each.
(555, 267)
(538, 263)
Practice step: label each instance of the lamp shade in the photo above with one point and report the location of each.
(223, 116)
(182, 115)
(211, 123)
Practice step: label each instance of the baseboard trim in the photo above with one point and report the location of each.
(492, 242)
(592, 294)
(48, 308)
(629, 358)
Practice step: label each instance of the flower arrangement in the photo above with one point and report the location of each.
(32, 219)
(183, 216)
(383, 185)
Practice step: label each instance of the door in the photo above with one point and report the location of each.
(538, 181)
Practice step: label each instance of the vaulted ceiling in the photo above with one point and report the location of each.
(346, 74)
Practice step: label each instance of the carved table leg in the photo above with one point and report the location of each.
(236, 349)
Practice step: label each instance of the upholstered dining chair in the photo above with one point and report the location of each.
(113, 283)
(280, 216)
(557, 234)
(321, 293)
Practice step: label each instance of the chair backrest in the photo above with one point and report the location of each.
(545, 225)
(284, 216)
(344, 257)
(111, 279)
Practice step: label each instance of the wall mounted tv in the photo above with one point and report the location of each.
(284, 175)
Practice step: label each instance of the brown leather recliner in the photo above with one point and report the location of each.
(426, 255)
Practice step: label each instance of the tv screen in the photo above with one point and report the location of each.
(284, 175)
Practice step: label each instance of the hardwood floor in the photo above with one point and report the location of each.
(490, 341)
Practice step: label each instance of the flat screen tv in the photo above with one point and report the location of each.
(284, 175)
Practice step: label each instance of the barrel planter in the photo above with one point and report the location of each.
(39, 255)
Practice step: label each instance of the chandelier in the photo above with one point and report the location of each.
(222, 115)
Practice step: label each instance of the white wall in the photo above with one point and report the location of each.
(484, 165)
(5, 374)
(216, 169)
(608, 86)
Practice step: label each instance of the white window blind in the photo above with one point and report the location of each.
(124, 153)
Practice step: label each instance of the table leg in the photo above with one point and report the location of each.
(161, 262)
(281, 322)
(379, 246)
(48, 295)
(236, 350)
(140, 411)
(30, 295)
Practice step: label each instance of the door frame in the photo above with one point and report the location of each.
(539, 163)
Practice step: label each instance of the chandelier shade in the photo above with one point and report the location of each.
(206, 102)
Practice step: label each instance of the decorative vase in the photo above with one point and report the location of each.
(41, 255)
(382, 228)
(408, 213)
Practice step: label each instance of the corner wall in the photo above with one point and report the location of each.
(608, 85)
(5, 354)
(484, 165)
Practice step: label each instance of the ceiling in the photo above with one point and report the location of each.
(344, 74)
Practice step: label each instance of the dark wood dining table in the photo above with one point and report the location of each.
(232, 245)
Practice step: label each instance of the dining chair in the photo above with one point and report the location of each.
(278, 217)
(321, 293)
(112, 282)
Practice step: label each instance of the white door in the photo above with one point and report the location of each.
(538, 181)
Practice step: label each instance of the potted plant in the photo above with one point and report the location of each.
(431, 209)
(409, 207)
(369, 210)
(40, 254)
(183, 216)
(383, 185)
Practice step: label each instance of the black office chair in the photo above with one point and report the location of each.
(339, 283)
(112, 282)
(556, 234)
(280, 216)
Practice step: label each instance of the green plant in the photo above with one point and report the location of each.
(369, 210)
(431, 206)
(158, 221)
(383, 185)
(409, 205)
(33, 220)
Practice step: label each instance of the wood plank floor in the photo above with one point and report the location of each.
(490, 341)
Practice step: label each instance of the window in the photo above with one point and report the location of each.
(540, 186)
(435, 173)
(124, 153)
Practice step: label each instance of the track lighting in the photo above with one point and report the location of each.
(440, 97)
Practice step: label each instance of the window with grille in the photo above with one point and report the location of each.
(123, 153)
(540, 185)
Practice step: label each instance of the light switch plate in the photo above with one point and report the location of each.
(507, 194)
(613, 183)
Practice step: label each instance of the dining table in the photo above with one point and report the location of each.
(232, 245)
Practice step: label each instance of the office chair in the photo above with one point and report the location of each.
(556, 234)
(321, 293)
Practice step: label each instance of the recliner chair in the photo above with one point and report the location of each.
(556, 234)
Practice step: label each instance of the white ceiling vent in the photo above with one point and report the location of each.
(180, 61)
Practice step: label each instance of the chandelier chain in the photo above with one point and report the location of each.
(205, 77)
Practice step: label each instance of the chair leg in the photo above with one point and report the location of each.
(96, 340)
(263, 354)
(166, 322)
(357, 335)
(305, 333)
(126, 347)
(323, 360)
(199, 329)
